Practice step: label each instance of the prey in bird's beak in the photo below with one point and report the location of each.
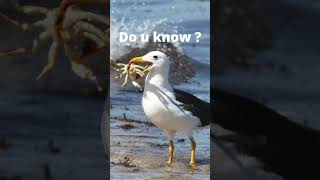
(134, 71)
(140, 60)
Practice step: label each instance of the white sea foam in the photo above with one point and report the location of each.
(136, 27)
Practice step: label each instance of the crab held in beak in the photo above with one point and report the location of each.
(140, 60)
(136, 60)
(134, 71)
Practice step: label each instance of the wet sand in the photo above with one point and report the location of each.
(134, 137)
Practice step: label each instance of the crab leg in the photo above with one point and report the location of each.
(79, 69)
(120, 64)
(13, 52)
(33, 10)
(23, 26)
(139, 72)
(52, 56)
(20, 51)
(87, 15)
(147, 69)
(66, 3)
(86, 27)
(99, 42)
(79, 15)
(43, 37)
(139, 67)
(123, 73)
(125, 81)
(40, 23)
(85, 73)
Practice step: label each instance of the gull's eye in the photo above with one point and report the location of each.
(155, 57)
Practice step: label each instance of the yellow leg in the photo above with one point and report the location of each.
(193, 153)
(171, 149)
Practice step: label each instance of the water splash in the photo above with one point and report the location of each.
(127, 18)
(134, 27)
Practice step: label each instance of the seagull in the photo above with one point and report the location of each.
(168, 108)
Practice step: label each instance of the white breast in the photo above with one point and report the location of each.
(162, 109)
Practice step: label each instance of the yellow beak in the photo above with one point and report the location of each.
(136, 60)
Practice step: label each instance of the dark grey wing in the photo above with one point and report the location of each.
(196, 106)
(272, 138)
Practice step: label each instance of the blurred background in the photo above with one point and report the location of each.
(49, 128)
(268, 52)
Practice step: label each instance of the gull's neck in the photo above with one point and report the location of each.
(158, 76)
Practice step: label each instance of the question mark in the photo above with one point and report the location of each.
(198, 35)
